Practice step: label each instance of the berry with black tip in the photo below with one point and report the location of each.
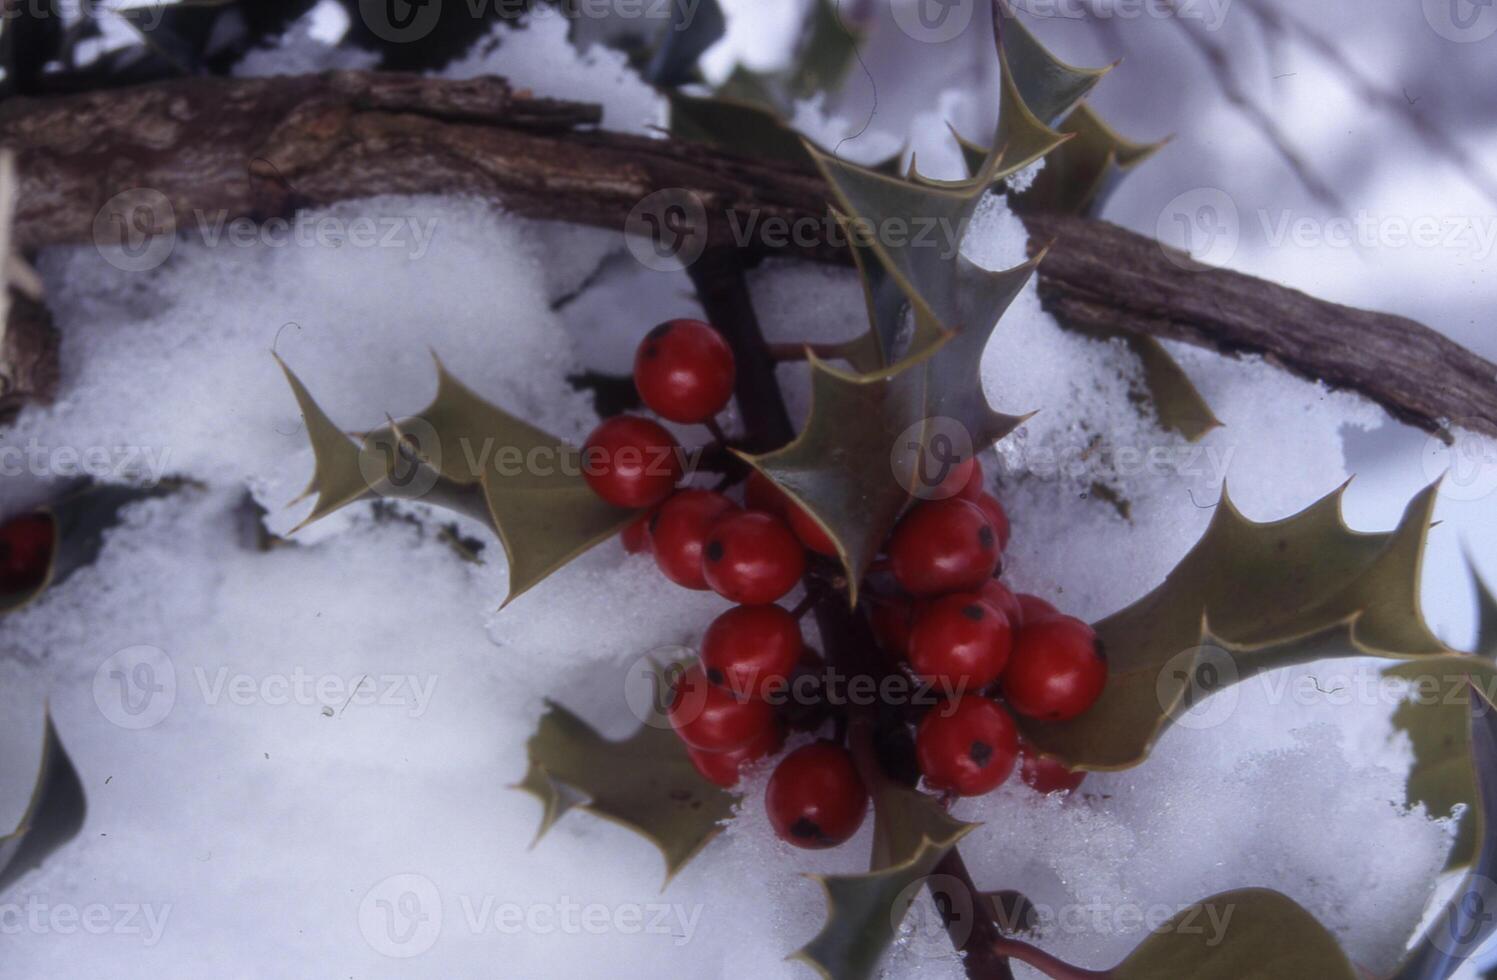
(678, 532)
(752, 558)
(996, 515)
(709, 717)
(25, 552)
(960, 642)
(1000, 597)
(752, 650)
(943, 546)
(1057, 669)
(815, 798)
(1044, 774)
(683, 371)
(631, 461)
(967, 746)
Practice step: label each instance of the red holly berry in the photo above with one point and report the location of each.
(1057, 670)
(631, 461)
(1033, 609)
(892, 619)
(810, 533)
(815, 797)
(967, 746)
(708, 717)
(636, 534)
(1044, 774)
(684, 371)
(943, 546)
(998, 595)
(25, 552)
(679, 529)
(752, 650)
(752, 558)
(960, 641)
(996, 515)
(723, 768)
(760, 493)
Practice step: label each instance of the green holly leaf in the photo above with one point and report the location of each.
(823, 58)
(743, 125)
(1079, 176)
(464, 454)
(1467, 921)
(911, 834)
(1047, 85)
(1434, 715)
(79, 519)
(1249, 598)
(41, 798)
(645, 783)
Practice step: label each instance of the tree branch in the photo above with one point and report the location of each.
(226, 148)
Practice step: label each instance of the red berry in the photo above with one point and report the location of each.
(996, 515)
(967, 746)
(708, 717)
(971, 486)
(631, 462)
(752, 650)
(998, 595)
(815, 797)
(752, 558)
(1033, 609)
(1044, 774)
(684, 371)
(760, 493)
(810, 533)
(636, 535)
(679, 529)
(943, 546)
(892, 619)
(25, 552)
(960, 641)
(1056, 671)
(723, 768)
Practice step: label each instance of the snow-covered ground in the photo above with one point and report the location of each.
(323, 788)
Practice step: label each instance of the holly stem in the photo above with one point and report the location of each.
(716, 430)
(1052, 967)
(813, 596)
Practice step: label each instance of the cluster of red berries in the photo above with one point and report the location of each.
(25, 552)
(946, 619)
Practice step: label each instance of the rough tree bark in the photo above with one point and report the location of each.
(258, 148)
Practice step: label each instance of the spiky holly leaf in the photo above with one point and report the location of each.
(1048, 85)
(911, 835)
(1467, 920)
(1079, 176)
(462, 453)
(856, 461)
(645, 783)
(1247, 934)
(41, 800)
(1249, 598)
(79, 519)
(822, 59)
(743, 126)
(1434, 715)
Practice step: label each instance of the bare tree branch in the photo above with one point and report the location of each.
(266, 147)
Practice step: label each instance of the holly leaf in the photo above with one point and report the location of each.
(1249, 598)
(1434, 713)
(1466, 921)
(1047, 85)
(645, 783)
(464, 454)
(911, 834)
(1080, 176)
(79, 519)
(743, 126)
(822, 60)
(691, 31)
(41, 799)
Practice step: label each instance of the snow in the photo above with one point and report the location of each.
(348, 713)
